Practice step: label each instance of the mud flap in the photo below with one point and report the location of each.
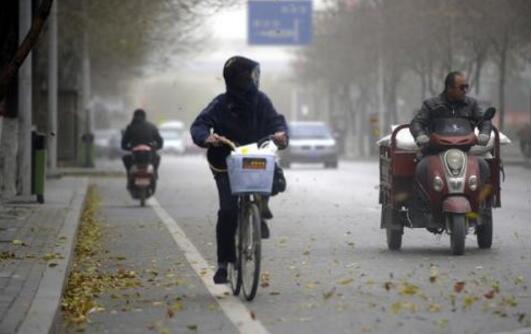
(457, 204)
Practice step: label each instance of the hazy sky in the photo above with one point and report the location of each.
(228, 31)
(229, 37)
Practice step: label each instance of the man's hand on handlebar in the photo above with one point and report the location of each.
(280, 139)
(483, 139)
(422, 140)
(217, 141)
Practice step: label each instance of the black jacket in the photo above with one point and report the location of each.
(242, 125)
(440, 107)
(141, 132)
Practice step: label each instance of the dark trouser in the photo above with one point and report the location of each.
(128, 161)
(227, 219)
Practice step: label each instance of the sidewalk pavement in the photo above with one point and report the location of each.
(36, 245)
(102, 168)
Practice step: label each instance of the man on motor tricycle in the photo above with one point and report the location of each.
(450, 111)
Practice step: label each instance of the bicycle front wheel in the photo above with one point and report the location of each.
(250, 250)
(235, 273)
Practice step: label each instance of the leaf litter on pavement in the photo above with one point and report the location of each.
(86, 281)
(437, 293)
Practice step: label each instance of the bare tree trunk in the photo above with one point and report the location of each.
(1, 156)
(391, 96)
(502, 66)
(86, 119)
(423, 86)
(365, 129)
(350, 142)
(381, 93)
(431, 89)
(477, 75)
(8, 150)
(25, 105)
(52, 89)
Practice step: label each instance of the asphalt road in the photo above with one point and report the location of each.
(326, 268)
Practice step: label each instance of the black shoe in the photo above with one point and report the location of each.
(266, 212)
(264, 209)
(220, 277)
(264, 229)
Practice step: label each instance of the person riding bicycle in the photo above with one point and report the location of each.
(140, 132)
(454, 108)
(244, 115)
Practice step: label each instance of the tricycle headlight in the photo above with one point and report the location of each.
(455, 160)
(437, 183)
(473, 182)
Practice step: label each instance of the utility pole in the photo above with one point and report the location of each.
(381, 80)
(52, 89)
(25, 103)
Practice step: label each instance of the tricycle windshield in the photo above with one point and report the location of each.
(452, 127)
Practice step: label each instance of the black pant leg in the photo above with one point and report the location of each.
(484, 170)
(128, 161)
(227, 219)
(156, 160)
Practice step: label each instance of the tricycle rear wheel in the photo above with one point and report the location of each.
(484, 229)
(394, 238)
(393, 228)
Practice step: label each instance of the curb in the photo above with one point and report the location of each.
(46, 303)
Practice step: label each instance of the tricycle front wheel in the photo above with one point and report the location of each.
(484, 229)
(458, 224)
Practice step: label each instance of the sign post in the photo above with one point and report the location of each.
(279, 22)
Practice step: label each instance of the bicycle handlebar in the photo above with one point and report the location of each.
(233, 146)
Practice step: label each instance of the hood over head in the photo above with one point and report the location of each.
(242, 75)
(139, 115)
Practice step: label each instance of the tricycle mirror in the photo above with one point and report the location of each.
(489, 113)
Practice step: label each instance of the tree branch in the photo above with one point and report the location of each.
(10, 70)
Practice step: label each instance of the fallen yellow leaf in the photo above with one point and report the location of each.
(408, 289)
(346, 281)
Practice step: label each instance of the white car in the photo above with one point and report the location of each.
(310, 142)
(173, 135)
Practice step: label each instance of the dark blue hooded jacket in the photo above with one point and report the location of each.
(243, 116)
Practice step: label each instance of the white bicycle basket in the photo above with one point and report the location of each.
(251, 173)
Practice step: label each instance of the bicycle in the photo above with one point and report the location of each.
(250, 168)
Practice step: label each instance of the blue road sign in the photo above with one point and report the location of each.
(279, 22)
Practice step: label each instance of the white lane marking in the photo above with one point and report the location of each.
(526, 330)
(233, 308)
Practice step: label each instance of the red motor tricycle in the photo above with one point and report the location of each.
(452, 190)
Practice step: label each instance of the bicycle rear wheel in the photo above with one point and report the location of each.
(250, 250)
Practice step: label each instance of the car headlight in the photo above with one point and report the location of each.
(455, 160)
(473, 182)
(437, 183)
